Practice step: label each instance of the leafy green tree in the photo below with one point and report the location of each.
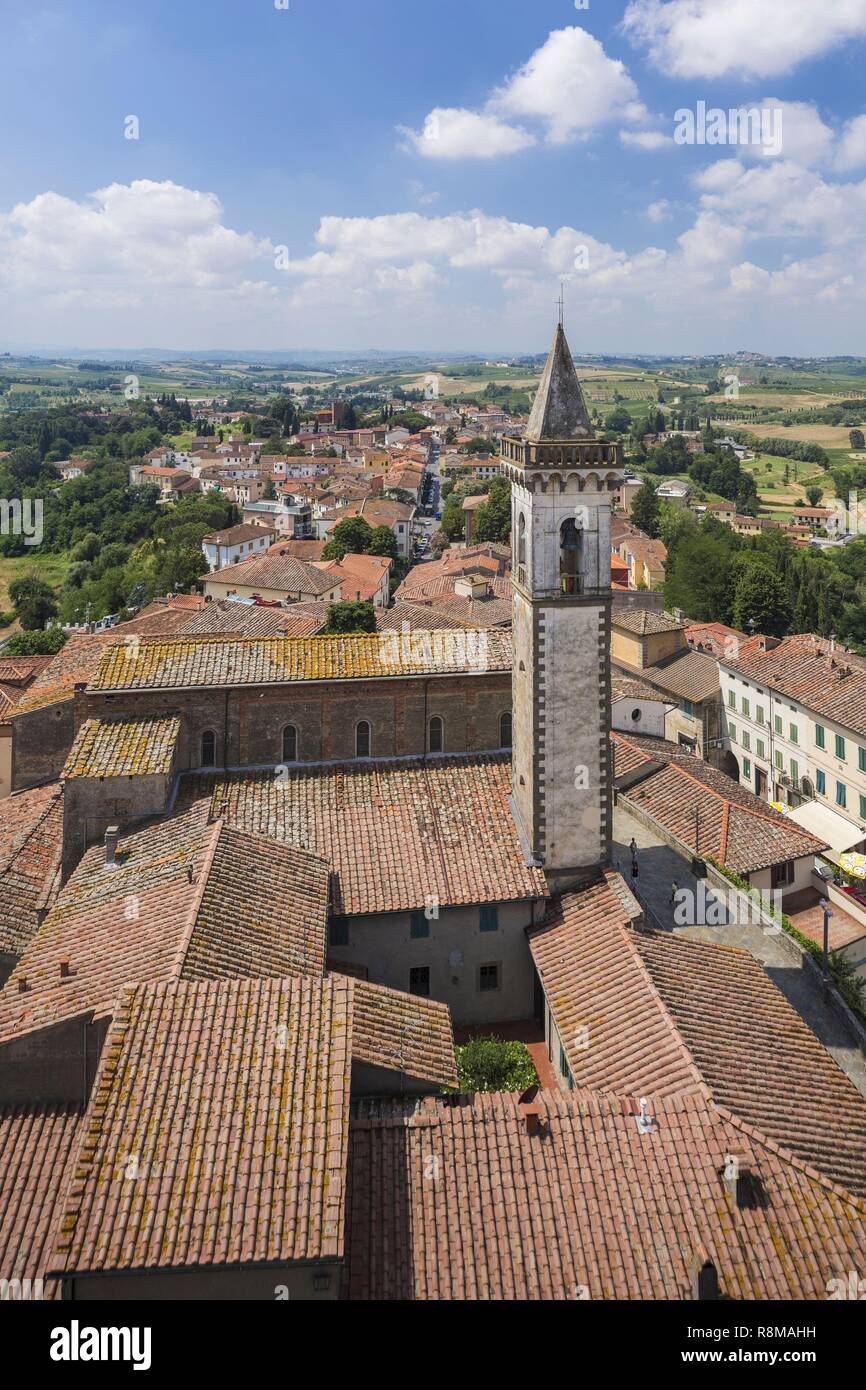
(346, 618)
(760, 599)
(383, 542)
(858, 440)
(698, 578)
(814, 495)
(671, 457)
(33, 601)
(675, 523)
(645, 509)
(494, 1064)
(45, 643)
(87, 548)
(179, 569)
(493, 518)
(618, 421)
(349, 537)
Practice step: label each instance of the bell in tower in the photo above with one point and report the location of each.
(563, 483)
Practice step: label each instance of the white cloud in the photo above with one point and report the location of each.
(452, 133)
(130, 238)
(647, 139)
(804, 135)
(569, 86)
(851, 153)
(572, 86)
(745, 38)
(775, 250)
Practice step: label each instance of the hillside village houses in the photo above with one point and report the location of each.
(795, 727)
(236, 543)
(268, 877)
(653, 648)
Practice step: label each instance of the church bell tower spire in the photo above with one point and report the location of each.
(563, 482)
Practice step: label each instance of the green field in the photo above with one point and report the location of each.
(52, 568)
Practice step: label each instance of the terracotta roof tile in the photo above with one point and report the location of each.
(36, 1143)
(687, 674)
(188, 663)
(650, 1013)
(256, 620)
(831, 683)
(589, 1208)
(615, 1030)
(235, 535)
(705, 810)
(642, 621)
(232, 1100)
(31, 849)
(416, 617)
(396, 833)
(403, 1033)
(123, 748)
(760, 1060)
(275, 572)
(627, 688)
(187, 899)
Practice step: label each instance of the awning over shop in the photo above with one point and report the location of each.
(840, 833)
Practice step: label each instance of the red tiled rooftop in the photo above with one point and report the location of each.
(589, 1208)
(188, 899)
(31, 847)
(395, 833)
(233, 1098)
(36, 1143)
(706, 810)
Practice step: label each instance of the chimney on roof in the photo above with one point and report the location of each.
(65, 970)
(112, 835)
(531, 1117)
(644, 1118)
(738, 1181)
(22, 984)
(705, 1278)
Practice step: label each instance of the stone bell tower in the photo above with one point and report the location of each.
(563, 480)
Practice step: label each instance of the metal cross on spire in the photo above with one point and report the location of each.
(561, 304)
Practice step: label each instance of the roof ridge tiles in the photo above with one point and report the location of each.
(194, 909)
(671, 760)
(723, 842)
(775, 1146)
(29, 828)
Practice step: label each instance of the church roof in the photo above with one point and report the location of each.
(559, 411)
(397, 833)
(186, 663)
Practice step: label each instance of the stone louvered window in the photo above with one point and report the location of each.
(208, 748)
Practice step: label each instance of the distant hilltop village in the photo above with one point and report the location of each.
(258, 883)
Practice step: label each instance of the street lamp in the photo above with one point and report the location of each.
(828, 913)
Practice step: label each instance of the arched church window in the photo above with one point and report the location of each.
(363, 739)
(521, 549)
(570, 549)
(436, 737)
(290, 744)
(505, 730)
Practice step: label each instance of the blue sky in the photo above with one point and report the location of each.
(391, 175)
